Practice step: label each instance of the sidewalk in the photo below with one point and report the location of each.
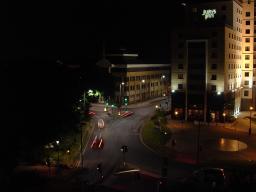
(242, 123)
(216, 142)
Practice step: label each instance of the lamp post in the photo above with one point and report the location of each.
(224, 118)
(81, 134)
(120, 93)
(81, 145)
(143, 82)
(198, 142)
(124, 150)
(58, 149)
(250, 129)
(176, 113)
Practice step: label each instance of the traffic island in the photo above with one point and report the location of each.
(156, 135)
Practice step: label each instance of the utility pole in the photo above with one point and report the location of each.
(198, 142)
(81, 131)
(250, 129)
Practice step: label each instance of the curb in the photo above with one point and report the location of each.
(141, 139)
(77, 164)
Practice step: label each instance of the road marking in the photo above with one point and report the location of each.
(94, 140)
(128, 171)
(100, 143)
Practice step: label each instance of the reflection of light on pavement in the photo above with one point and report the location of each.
(230, 145)
(222, 141)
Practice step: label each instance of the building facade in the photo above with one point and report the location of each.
(213, 61)
(136, 80)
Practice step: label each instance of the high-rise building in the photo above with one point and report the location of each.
(213, 60)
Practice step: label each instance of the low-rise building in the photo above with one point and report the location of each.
(136, 80)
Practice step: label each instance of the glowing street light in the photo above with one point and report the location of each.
(250, 129)
(120, 91)
(58, 148)
(224, 117)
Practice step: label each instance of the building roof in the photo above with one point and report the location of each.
(123, 58)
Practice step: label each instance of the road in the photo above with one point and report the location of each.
(125, 131)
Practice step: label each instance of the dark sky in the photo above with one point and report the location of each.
(75, 30)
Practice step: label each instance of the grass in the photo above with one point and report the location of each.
(71, 142)
(155, 138)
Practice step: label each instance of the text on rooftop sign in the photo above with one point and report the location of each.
(209, 13)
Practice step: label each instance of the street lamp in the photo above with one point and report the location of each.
(163, 78)
(250, 129)
(141, 88)
(176, 114)
(224, 117)
(124, 149)
(58, 148)
(120, 92)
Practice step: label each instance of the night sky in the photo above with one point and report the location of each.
(74, 31)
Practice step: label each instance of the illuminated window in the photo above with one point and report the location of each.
(214, 77)
(180, 76)
(246, 93)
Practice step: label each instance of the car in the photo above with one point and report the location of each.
(91, 113)
(208, 179)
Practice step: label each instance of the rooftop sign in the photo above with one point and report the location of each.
(209, 13)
